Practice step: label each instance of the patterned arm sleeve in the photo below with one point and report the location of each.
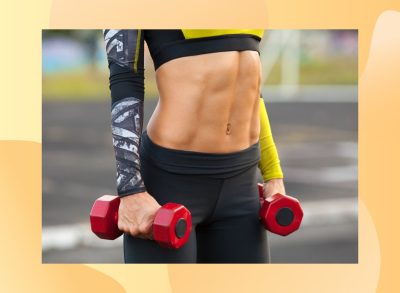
(125, 55)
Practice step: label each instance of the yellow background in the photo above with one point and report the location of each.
(378, 23)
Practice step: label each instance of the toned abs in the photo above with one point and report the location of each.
(208, 103)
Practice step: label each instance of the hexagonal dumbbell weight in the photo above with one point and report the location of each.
(171, 226)
(280, 214)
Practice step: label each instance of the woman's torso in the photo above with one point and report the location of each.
(209, 101)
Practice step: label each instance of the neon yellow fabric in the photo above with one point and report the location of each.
(269, 163)
(193, 34)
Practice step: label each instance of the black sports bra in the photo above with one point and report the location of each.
(165, 45)
(126, 46)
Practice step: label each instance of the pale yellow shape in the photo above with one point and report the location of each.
(327, 278)
(138, 277)
(20, 74)
(379, 140)
(159, 14)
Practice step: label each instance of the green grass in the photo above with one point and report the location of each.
(83, 85)
(75, 85)
(93, 85)
(335, 71)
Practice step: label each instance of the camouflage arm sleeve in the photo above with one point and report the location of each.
(125, 60)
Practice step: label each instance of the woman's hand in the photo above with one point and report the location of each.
(273, 186)
(136, 215)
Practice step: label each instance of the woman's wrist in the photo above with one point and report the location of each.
(273, 186)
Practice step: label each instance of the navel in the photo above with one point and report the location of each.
(228, 129)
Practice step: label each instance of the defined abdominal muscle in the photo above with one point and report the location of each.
(208, 102)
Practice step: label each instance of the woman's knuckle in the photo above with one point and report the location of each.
(142, 228)
(122, 227)
(133, 231)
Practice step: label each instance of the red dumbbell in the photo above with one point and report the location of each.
(280, 214)
(171, 227)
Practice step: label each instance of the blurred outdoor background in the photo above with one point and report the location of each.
(310, 90)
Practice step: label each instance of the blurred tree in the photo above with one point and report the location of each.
(86, 37)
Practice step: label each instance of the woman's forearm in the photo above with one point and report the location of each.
(269, 163)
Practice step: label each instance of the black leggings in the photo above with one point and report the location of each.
(220, 191)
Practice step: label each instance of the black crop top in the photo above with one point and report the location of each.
(125, 53)
(165, 45)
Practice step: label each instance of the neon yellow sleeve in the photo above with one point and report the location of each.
(269, 163)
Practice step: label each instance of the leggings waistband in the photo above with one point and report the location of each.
(220, 165)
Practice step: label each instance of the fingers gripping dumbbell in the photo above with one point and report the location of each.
(171, 227)
(280, 214)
